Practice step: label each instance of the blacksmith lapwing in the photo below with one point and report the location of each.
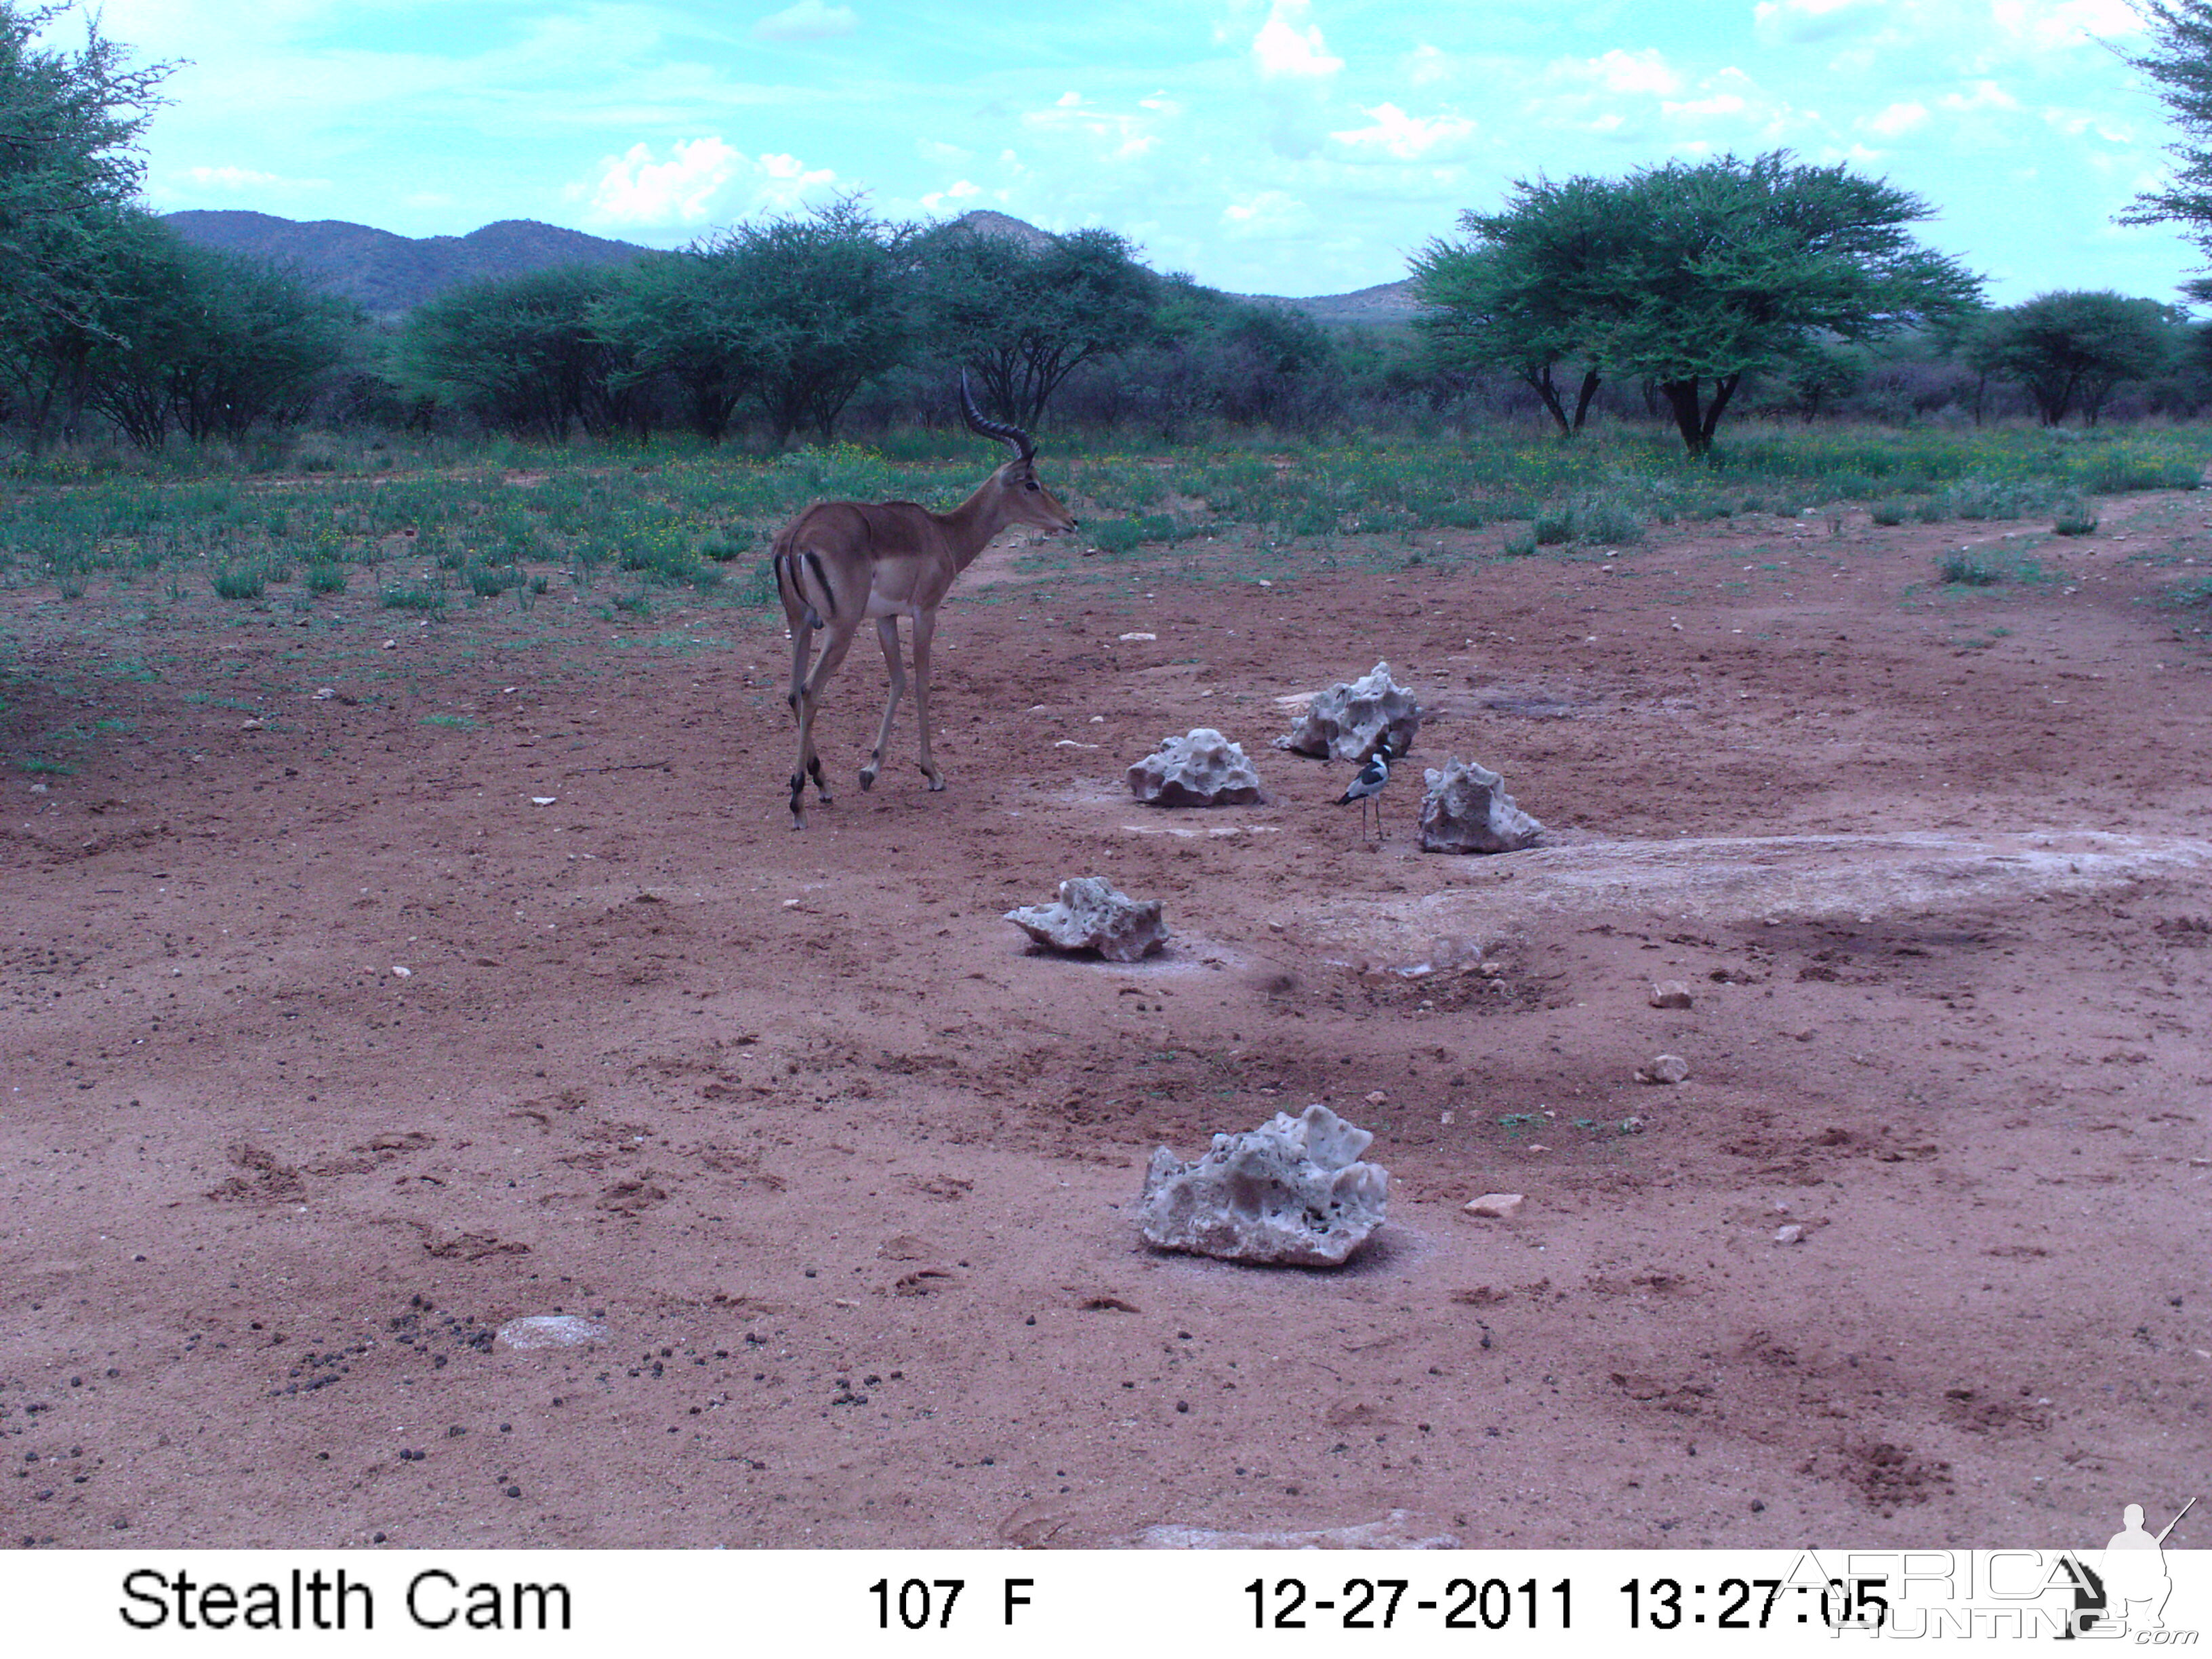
(1368, 786)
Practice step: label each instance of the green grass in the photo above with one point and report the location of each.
(452, 722)
(433, 516)
(1968, 571)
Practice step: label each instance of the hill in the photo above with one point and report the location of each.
(389, 274)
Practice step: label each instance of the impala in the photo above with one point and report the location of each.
(841, 563)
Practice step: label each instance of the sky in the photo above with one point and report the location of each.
(1290, 147)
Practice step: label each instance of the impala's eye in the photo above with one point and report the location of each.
(1031, 485)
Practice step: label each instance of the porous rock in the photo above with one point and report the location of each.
(1092, 915)
(1291, 1192)
(550, 1331)
(1398, 1530)
(1349, 719)
(1200, 768)
(1670, 994)
(1664, 1069)
(1467, 810)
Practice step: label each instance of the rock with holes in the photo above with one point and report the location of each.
(1291, 1192)
(1346, 721)
(1092, 915)
(550, 1331)
(1467, 810)
(1200, 768)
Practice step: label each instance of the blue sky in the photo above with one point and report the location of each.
(1265, 146)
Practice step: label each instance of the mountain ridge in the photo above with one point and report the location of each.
(389, 275)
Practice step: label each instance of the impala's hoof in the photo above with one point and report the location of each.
(868, 778)
(936, 778)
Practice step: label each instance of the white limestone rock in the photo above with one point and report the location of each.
(1467, 810)
(1200, 768)
(1092, 915)
(1346, 721)
(1398, 1530)
(550, 1331)
(1291, 1192)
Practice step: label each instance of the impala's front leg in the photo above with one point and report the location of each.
(887, 632)
(925, 627)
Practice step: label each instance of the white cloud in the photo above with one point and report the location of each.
(1406, 137)
(236, 180)
(1283, 51)
(810, 19)
(1985, 94)
(694, 184)
(1269, 213)
(958, 191)
(1264, 216)
(2080, 123)
(1619, 71)
(1106, 135)
(2043, 24)
(1425, 66)
(1896, 120)
(1800, 23)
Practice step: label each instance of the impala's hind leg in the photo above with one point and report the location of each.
(925, 630)
(887, 632)
(810, 704)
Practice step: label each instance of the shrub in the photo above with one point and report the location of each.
(241, 581)
(1889, 511)
(1965, 568)
(324, 576)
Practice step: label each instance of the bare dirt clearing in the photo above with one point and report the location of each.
(845, 1170)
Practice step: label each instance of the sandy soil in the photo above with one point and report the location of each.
(846, 1170)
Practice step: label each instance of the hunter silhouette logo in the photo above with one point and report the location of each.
(2128, 1589)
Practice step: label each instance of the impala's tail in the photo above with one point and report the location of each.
(793, 567)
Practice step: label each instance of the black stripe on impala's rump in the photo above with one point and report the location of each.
(814, 563)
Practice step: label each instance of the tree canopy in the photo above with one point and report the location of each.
(70, 124)
(796, 312)
(1027, 318)
(2072, 349)
(2180, 62)
(1689, 275)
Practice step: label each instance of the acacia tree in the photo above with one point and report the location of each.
(523, 354)
(70, 124)
(797, 312)
(2180, 62)
(1512, 295)
(2070, 347)
(1692, 276)
(1026, 319)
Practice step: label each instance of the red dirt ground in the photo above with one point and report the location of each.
(846, 1169)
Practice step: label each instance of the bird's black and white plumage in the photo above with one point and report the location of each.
(1368, 786)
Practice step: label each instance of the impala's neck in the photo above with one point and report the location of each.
(969, 526)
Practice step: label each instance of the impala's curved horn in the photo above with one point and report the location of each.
(1012, 436)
